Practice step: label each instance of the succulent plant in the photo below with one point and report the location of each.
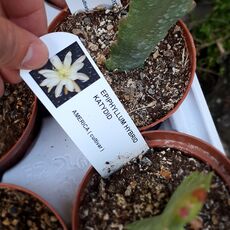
(184, 205)
(147, 23)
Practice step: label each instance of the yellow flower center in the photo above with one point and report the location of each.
(63, 73)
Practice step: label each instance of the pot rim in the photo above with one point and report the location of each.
(35, 195)
(192, 56)
(18, 150)
(56, 4)
(193, 146)
(190, 145)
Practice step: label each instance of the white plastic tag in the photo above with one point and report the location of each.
(76, 93)
(87, 5)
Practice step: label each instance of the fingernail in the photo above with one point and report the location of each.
(36, 55)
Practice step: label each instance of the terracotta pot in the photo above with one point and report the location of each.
(18, 150)
(189, 145)
(192, 56)
(58, 19)
(30, 193)
(56, 3)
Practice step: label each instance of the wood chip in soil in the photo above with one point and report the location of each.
(15, 110)
(148, 93)
(20, 211)
(143, 187)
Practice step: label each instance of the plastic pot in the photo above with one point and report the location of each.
(191, 146)
(36, 197)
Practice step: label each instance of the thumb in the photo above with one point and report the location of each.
(20, 48)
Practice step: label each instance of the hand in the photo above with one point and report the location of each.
(21, 23)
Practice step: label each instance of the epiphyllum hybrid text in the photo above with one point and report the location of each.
(64, 74)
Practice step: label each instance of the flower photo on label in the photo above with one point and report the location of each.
(65, 75)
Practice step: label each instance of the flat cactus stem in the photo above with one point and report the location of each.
(147, 23)
(184, 205)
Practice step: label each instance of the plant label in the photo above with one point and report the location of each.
(87, 5)
(78, 96)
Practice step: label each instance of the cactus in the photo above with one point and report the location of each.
(184, 205)
(147, 23)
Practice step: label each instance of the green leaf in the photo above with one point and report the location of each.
(184, 205)
(147, 23)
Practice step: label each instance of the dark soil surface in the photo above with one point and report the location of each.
(19, 211)
(15, 109)
(147, 93)
(143, 187)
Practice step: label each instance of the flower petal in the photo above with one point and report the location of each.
(73, 76)
(48, 73)
(56, 62)
(45, 82)
(76, 87)
(50, 83)
(68, 60)
(69, 85)
(44, 71)
(78, 64)
(82, 77)
(49, 89)
(53, 82)
(81, 59)
(75, 67)
(58, 89)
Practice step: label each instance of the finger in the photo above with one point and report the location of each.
(27, 14)
(1, 87)
(11, 76)
(20, 48)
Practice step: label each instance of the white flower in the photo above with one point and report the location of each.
(64, 74)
